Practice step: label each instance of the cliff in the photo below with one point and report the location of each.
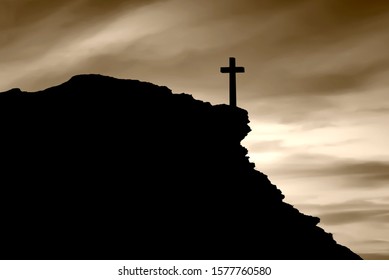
(103, 168)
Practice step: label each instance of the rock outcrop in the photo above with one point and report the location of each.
(103, 168)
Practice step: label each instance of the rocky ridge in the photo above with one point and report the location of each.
(104, 168)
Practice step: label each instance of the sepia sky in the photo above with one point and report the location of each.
(316, 84)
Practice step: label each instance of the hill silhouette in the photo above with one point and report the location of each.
(104, 168)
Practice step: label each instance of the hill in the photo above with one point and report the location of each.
(103, 168)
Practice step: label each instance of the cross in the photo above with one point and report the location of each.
(232, 69)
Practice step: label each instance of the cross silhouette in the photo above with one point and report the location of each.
(232, 69)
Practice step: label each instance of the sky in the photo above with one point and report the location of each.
(315, 85)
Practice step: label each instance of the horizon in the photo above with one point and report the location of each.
(314, 87)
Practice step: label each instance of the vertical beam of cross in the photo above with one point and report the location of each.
(232, 69)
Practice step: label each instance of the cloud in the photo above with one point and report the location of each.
(20, 13)
(351, 11)
(319, 48)
(254, 145)
(265, 146)
(68, 40)
(19, 19)
(268, 44)
(336, 218)
(343, 81)
(310, 111)
(378, 203)
(373, 170)
(365, 174)
(378, 110)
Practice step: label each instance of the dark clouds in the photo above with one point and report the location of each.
(322, 21)
(354, 211)
(66, 39)
(367, 174)
(276, 39)
(321, 48)
(40, 25)
(343, 81)
(377, 204)
(354, 11)
(336, 218)
(16, 14)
